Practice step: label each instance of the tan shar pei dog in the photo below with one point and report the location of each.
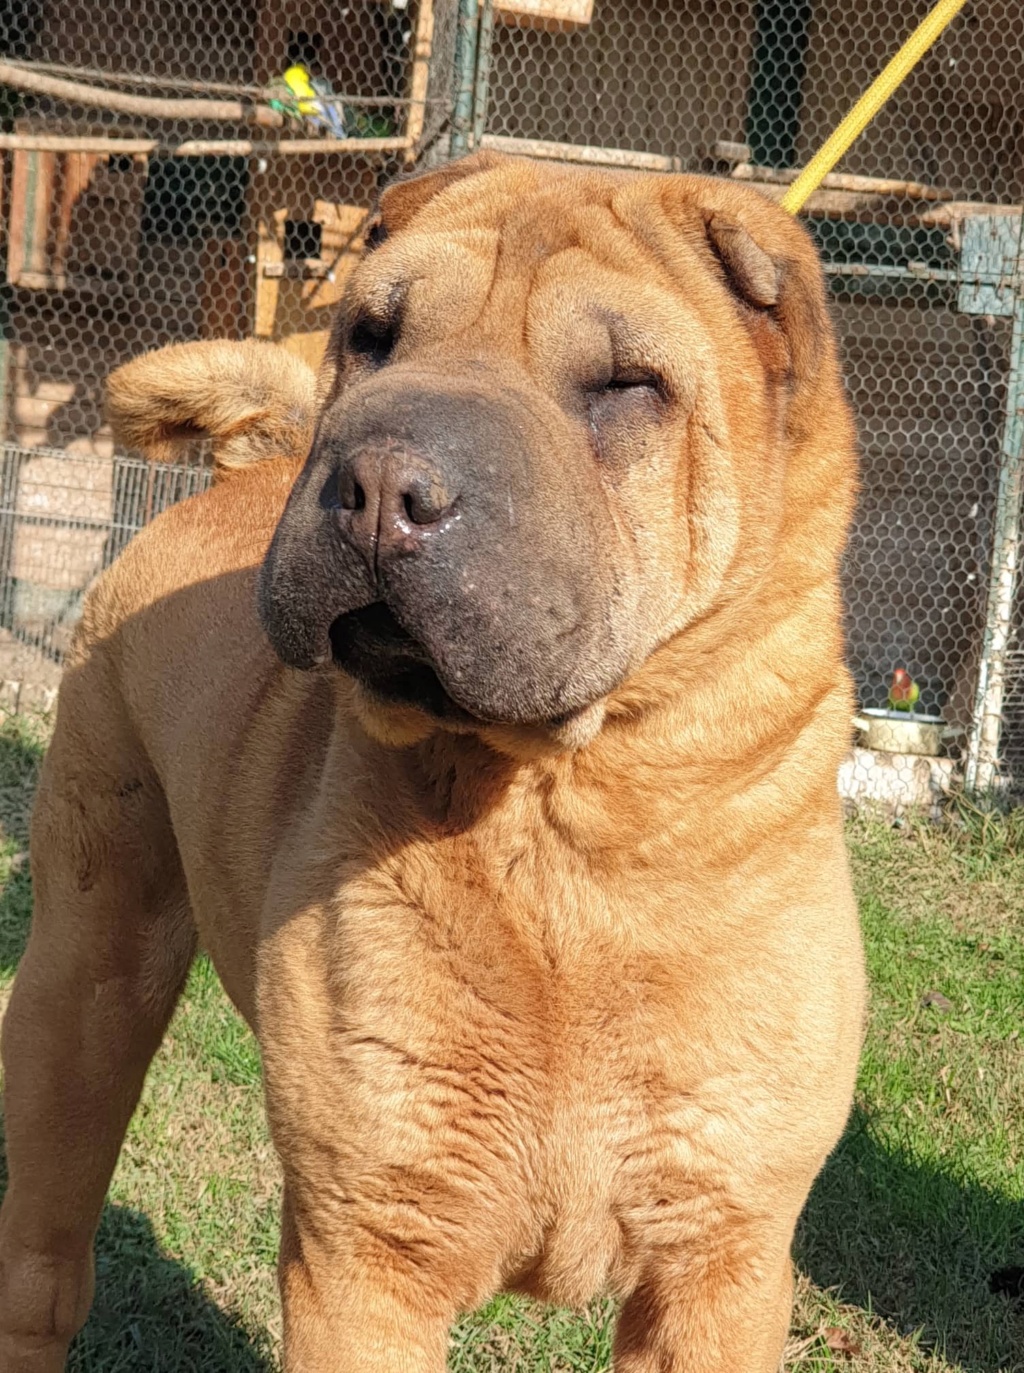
(482, 723)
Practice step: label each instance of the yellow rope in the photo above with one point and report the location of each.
(870, 103)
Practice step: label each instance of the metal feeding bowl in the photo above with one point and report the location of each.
(900, 731)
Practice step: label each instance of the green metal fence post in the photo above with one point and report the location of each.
(982, 767)
(465, 76)
(484, 44)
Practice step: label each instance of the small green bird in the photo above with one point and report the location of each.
(903, 690)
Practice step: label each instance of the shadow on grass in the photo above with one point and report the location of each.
(150, 1315)
(21, 752)
(15, 914)
(916, 1247)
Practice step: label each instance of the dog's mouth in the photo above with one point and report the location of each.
(373, 647)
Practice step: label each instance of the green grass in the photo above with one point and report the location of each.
(922, 1200)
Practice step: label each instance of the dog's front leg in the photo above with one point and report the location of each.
(355, 1303)
(396, 1211)
(723, 1310)
(112, 940)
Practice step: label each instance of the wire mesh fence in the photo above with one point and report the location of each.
(63, 519)
(129, 222)
(920, 233)
(172, 171)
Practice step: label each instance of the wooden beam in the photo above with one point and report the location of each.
(887, 209)
(864, 198)
(150, 107)
(33, 177)
(557, 16)
(197, 147)
(582, 153)
(841, 181)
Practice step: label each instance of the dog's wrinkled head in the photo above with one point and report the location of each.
(557, 422)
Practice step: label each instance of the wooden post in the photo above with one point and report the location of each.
(32, 183)
(269, 249)
(423, 48)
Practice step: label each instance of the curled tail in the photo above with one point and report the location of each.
(252, 400)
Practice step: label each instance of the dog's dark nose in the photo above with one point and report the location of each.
(390, 500)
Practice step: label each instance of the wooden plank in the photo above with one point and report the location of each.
(947, 215)
(544, 14)
(726, 151)
(861, 198)
(76, 173)
(303, 269)
(841, 181)
(83, 222)
(581, 153)
(990, 247)
(883, 209)
(199, 147)
(65, 143)
(289, 147)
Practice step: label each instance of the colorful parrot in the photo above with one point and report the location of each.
(903, 690)
(296, 93)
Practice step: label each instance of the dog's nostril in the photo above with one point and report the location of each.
(351, 492)
(425, 500)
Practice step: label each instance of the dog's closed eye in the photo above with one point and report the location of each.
(634, 381)
(373, 340)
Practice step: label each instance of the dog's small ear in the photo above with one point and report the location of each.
(751, 271)
(769, 264)
(401, 202)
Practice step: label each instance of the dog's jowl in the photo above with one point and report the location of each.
(482, 722)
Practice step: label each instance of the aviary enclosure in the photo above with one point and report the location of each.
(163, 179)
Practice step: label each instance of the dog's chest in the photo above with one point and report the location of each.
(628, 1159)
(547, 1058)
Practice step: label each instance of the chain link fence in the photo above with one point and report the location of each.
(129, 222)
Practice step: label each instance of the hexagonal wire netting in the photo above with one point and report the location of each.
(148, 221)
(169, 177)
(920, 233)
